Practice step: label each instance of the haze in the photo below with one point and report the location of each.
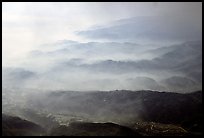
(102, 46)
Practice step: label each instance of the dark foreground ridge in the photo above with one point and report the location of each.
(15, 126)
(114, 113)
(93, 129)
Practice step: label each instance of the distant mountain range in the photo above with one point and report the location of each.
(112, 65)
(146, 28)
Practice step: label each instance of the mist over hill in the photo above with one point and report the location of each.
(56, 111)
(109, 66)
(75, 69)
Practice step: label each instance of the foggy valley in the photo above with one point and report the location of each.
(88, 74)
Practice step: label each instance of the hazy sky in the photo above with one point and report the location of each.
(27, 25)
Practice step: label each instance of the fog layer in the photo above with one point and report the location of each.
(153, 46)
